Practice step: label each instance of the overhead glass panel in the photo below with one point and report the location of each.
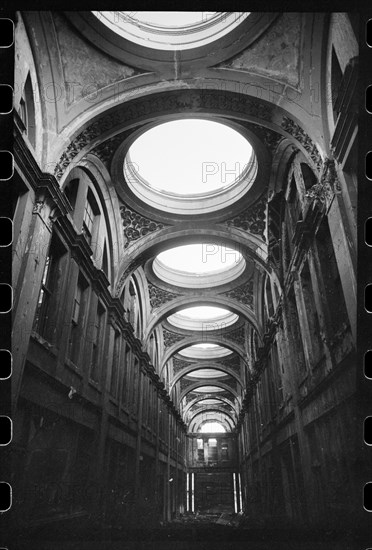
(199, 264)
(203, 318)
(189, 156)
(190, 166)
(205, 351)
(171, 30)
(206, 373)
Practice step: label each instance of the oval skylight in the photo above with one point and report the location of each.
(190, 156)
(206, 373)
(205, 351)
(172, 164)
(203, 318)
(209, 402)
(208, 389)
(200, 264)
(169, 30)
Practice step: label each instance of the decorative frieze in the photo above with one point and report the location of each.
(136, 226)
(159, 296)
(301, 136)
(253, 219)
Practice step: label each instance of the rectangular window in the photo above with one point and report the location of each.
(77, 320)
(46, 310)
(88, 222)
(331, 279)
(294, 207)
(126, 368)
(134, 389)
(22, 111)
(115, 365)
(225, 451)
(98, 342)
(314, 339)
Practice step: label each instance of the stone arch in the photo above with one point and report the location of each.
(193, 387)
(191, 368)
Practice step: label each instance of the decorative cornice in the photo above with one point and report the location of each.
(136, 226)
(159, 296)
(44, 184)
(253, 219)
(301, 136)
(242, 294)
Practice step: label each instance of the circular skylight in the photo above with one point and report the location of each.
(203, 318)
(198, 265)
(171, 30)
(175, 164)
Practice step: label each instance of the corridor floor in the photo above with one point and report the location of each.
(207, 532)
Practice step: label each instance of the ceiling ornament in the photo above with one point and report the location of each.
(171, 338)
(179, 364)
(232, 364)
(270, 138)
(106, 150)
(242, 294)
(136, 226)
(301, 136)
(180, 101)
(253, 219)
(159, 296)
